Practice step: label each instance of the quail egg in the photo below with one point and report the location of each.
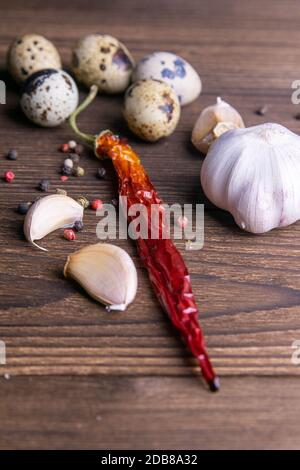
(49, 97)
(151, 109)
(104, 61)
(172, 69)
(29, 54)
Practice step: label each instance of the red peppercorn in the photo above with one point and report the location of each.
(69, 234)
(96, 204)
(9, 176)
(64, 178)
(65, 148)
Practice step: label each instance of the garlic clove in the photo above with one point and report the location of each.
(254, 174)
(223, 127)
(214, 121)
(48, 214)
(106, 272)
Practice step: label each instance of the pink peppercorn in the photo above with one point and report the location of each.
(64, 178)
(69, 234)
(182, 221)
(9, 176)
(65, 148)
(96, 204)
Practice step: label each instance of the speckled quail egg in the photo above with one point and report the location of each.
(172, 69)
(29, 54)
(151, 109)
(49, 97)
(104, 61)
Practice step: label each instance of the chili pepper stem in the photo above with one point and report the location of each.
(88, 138)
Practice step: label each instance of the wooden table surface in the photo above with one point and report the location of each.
(79, 377)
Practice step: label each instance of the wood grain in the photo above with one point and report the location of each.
(148, 413)
(248, 287)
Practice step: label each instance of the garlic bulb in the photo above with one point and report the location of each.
(48, 214)
(213, 122)
(254, 174)
(106, 272)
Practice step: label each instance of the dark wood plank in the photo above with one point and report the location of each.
(148, 412)
(248, 287)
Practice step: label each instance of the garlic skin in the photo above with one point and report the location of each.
(48, 214)
(106, 272)
(254, 174)
(214, 121)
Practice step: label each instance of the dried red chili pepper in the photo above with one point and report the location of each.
(166, 268)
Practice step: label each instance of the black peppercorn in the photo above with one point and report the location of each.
(83, 201)
(79, 149)
(67, 171)
(262, 110)
(44, 184)
(74, 157)
(101, 173)
(12, 154)
(23, 207)
(78, 225)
